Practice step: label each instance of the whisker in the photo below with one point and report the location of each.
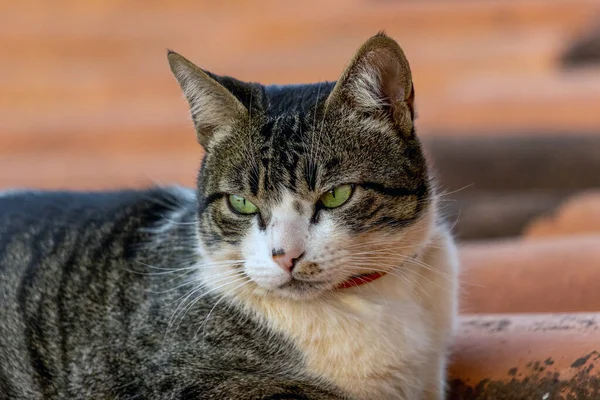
(183, 311)
(399, 275)
(194, 281)
(382, 261)
(198, 266)
(205, 321)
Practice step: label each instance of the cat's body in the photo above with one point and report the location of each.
(170, 293)
(84, 317)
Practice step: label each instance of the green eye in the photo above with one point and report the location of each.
(337, 196)
(240, 205)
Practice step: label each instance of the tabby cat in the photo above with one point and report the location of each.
(310, 262)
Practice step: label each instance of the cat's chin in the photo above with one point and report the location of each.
(302, 290)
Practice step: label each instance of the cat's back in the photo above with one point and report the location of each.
(23, 210)
(46, 221)
(61, 257)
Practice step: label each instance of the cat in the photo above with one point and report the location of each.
(311, 262)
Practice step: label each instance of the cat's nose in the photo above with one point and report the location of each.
(287, 259)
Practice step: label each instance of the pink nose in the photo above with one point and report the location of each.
(287, 259)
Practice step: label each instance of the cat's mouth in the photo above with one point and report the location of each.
(302, 289)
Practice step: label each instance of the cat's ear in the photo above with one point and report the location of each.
(378, 81)
(213, 107)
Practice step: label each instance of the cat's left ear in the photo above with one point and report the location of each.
(214, 108)
(378, 81)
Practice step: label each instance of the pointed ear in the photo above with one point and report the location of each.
(378, 81)
(213, 107)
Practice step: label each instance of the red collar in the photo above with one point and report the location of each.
(360, 280)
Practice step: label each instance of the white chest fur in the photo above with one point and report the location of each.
(383, 340)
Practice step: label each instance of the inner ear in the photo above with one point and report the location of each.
(397, 88)
(378, 81)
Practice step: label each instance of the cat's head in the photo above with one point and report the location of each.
(303, 188)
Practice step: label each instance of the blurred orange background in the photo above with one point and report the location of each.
(87, 99)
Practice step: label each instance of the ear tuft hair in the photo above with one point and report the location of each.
(213, 107)
(379, 79)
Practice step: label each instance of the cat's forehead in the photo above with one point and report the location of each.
(294, 151)
(271, 141)
(293, 142)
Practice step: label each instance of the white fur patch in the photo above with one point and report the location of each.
(287, 230)
(384, 340)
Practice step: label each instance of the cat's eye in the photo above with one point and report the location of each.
(241, 205)
(337, 196)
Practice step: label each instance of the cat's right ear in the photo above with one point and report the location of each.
(378, 82)
(214, 109)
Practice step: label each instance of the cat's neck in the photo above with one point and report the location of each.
(350, 336)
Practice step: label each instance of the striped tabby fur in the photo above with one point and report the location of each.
(168, 293)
